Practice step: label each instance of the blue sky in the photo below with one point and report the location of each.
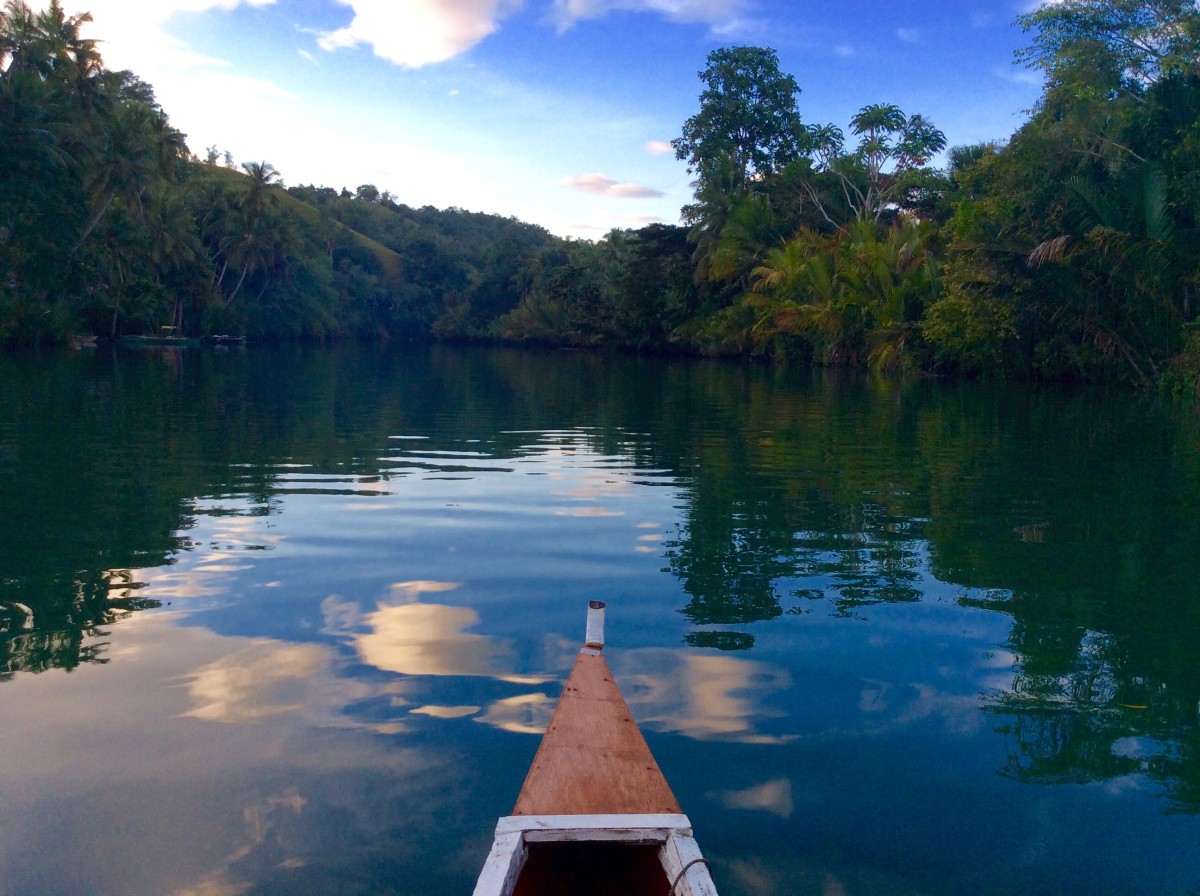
(557, 112)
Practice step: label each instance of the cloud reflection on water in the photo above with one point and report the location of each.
(523, 714)
(773, 796)
(701, 696)
(408, 637)
(128, 765)
(255, 682)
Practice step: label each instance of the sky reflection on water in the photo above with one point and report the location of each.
(327, 667)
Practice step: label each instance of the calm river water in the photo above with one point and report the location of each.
(292, 622)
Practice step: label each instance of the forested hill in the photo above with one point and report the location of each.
(1069, 250)
(110, 226)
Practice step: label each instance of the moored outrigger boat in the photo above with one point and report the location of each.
(595, 814)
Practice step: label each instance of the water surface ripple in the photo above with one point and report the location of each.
(292, 622)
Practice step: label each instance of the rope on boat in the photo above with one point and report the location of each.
(684, 870)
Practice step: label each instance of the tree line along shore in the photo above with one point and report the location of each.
(1069, 251)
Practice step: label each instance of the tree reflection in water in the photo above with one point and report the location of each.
(1073, 515)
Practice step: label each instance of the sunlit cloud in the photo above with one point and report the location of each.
(720, 14)
(419, 32)
(601, 185)
(134, 35)
(658, 147)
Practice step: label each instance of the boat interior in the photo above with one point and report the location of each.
(592, 868)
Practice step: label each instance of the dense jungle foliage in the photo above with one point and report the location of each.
(1069, 251)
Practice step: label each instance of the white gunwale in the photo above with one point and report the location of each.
(673, 834)
(647, 828)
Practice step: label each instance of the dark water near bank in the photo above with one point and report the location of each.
(292, 622)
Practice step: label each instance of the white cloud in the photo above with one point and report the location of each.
(419, 32)
(1031, 77)
(908, 35)
(659, 147)
(133, 35)
(606, 186)
(721, 14)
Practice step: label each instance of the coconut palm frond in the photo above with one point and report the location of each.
(1050, 251)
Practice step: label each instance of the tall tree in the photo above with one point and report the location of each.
(748, 112)
(1142, 39)
(887, 166)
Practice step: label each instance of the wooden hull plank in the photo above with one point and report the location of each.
(593, 759)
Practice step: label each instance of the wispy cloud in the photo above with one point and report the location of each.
(601, 185)
(720, 14)
(1020, 76)
(908, 35)
(419, 32)
(659, 147)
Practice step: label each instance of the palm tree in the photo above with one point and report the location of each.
(249, 240)
(751, 226)
(256, 197)
(175, 244)
(125, 150)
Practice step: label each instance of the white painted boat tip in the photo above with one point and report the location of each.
(594, 637)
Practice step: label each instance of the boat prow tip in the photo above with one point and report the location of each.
(594, 636)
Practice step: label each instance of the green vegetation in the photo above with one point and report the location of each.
(109, 226)
(1066, 252)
